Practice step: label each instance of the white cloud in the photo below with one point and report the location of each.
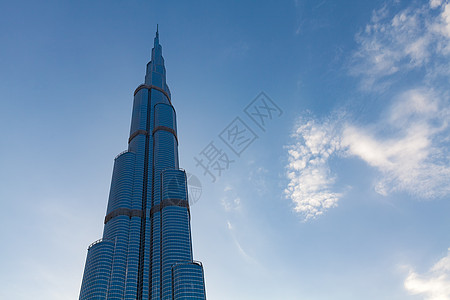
(413, 155)
(434, 284)
(414, 38)
(435, 3)
(408, 146)
(229, 226)
(230, 200)
(310, 179)
(409, 143)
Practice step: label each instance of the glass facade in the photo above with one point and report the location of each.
(188, 281)
(146, 249)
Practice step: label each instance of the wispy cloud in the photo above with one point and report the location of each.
(244, 254)
(432, 285)
(258, 177)
(230, 200)
(409, 146)
(414, 38)
(409, 143)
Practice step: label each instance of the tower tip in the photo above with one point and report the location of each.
(157, 30)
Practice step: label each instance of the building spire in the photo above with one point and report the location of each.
(156, 72)
(156, 41)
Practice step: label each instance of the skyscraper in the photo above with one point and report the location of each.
(146, 249)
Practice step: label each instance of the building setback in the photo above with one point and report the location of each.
(146, 249)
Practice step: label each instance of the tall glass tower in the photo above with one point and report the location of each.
(146, 249)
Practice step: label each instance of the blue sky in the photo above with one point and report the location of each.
(342, 195)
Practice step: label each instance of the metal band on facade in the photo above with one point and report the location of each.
(169, 202)
(168, 129)
(136, 133)
(152, 87)
(124, 212)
